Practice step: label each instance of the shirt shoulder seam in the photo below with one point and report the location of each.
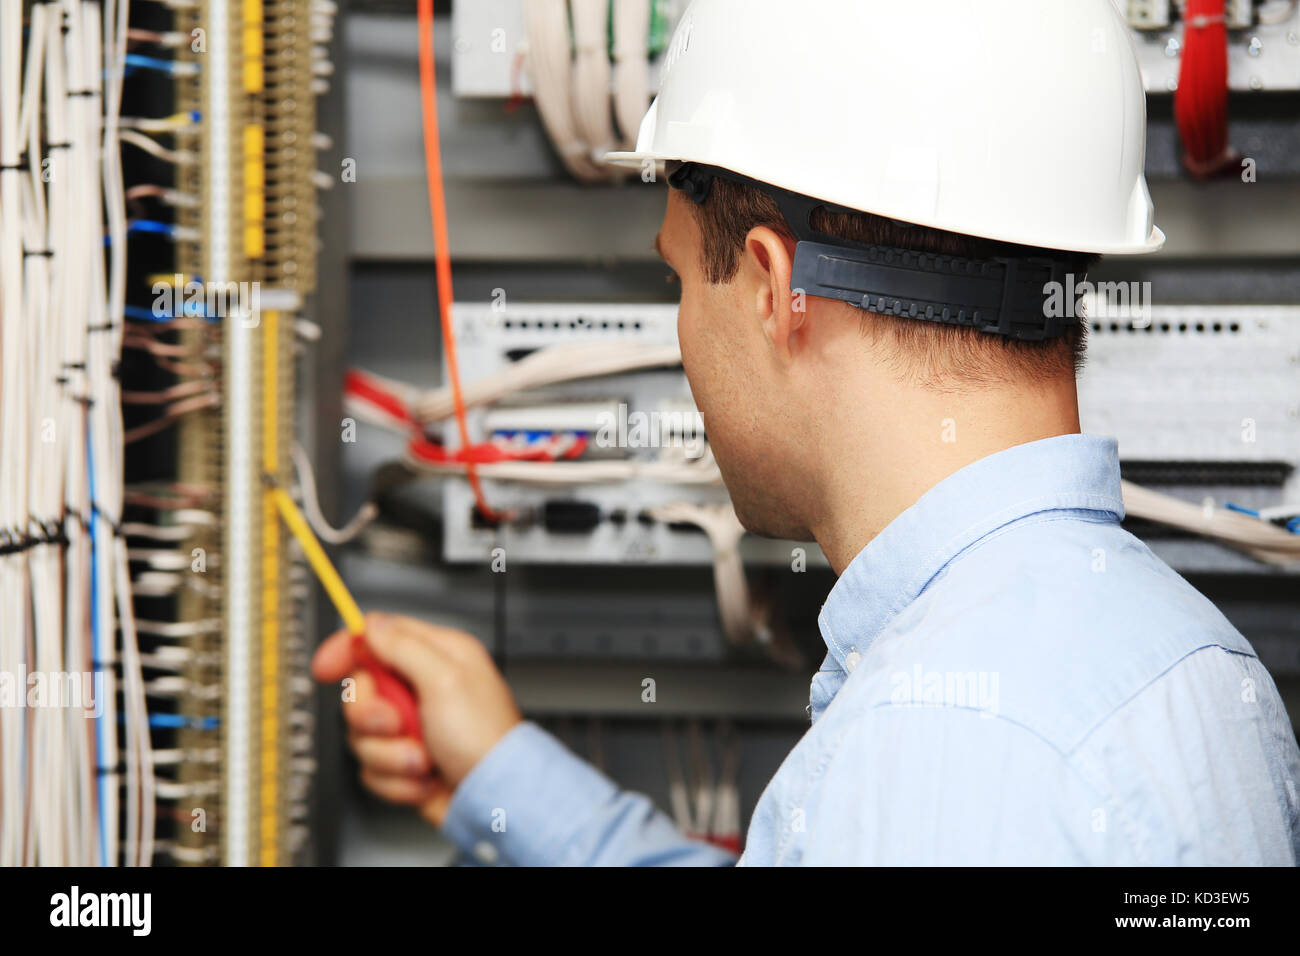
(1155, 678)
(1067, 758)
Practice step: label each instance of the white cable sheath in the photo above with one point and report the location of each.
(631, 66)
(311, 504)
(561, 363)
(1259, 539)
(13, 417)
(550, 67)
(58, 798)
(591, 75)
(740, 622)
(109, 419)
(66, 616)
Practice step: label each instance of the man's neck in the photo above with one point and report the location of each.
(879, 463)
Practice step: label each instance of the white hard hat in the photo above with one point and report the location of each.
(1022, 121)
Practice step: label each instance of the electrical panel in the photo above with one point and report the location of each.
(1205, 405)
(604, 523)
(1202, 399)
(1263, 43)
(1210, 384)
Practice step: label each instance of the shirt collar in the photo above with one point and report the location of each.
(1066, 472)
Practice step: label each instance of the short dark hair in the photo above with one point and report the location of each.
(936, 355)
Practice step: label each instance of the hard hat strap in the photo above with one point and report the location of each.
(999, 295)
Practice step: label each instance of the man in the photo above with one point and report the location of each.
(879, 371)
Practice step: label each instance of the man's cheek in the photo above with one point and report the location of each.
(686, 340)
(692, 376)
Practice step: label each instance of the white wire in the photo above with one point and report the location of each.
(741, 623)
(162, 124)
(84, 63)
(702, 788)
(679, 801)
(1257, 538)
(60, 339)
(550, 366)
(550, 68)
(174, 532)
(631, 66)
(118, 14)
(726, 815)
(13, 437)
(311, 504)
(181, 157)
(55, 834)
(591, 75)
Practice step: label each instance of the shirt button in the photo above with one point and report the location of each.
(485, 852)
(851, 660)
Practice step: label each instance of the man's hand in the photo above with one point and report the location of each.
(465, 708)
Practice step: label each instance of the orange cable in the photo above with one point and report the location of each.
(441, 242)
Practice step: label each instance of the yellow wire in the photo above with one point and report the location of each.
(277, 499)
(320, 563)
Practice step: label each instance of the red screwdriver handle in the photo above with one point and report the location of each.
(392, 687)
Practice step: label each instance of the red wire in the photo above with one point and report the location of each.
(1201, 101)
(516, 95)
(441, 243)
(360, 385)
(488, 453)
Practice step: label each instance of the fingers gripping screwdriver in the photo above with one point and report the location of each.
(390, 685)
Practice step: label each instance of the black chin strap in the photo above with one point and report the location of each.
(1000, 295)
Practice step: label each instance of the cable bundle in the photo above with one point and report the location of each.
(741, 621)
(74, 790)
(631, 66)
(1259, 538)
(572, 79)
(1201, 100)
(13, 442)
(705, 804)
(591, 75)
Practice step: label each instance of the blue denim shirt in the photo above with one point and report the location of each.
(1011, 678)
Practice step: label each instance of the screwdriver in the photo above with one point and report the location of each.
(391, 686)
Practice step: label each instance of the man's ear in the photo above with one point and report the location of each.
(768, 263)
